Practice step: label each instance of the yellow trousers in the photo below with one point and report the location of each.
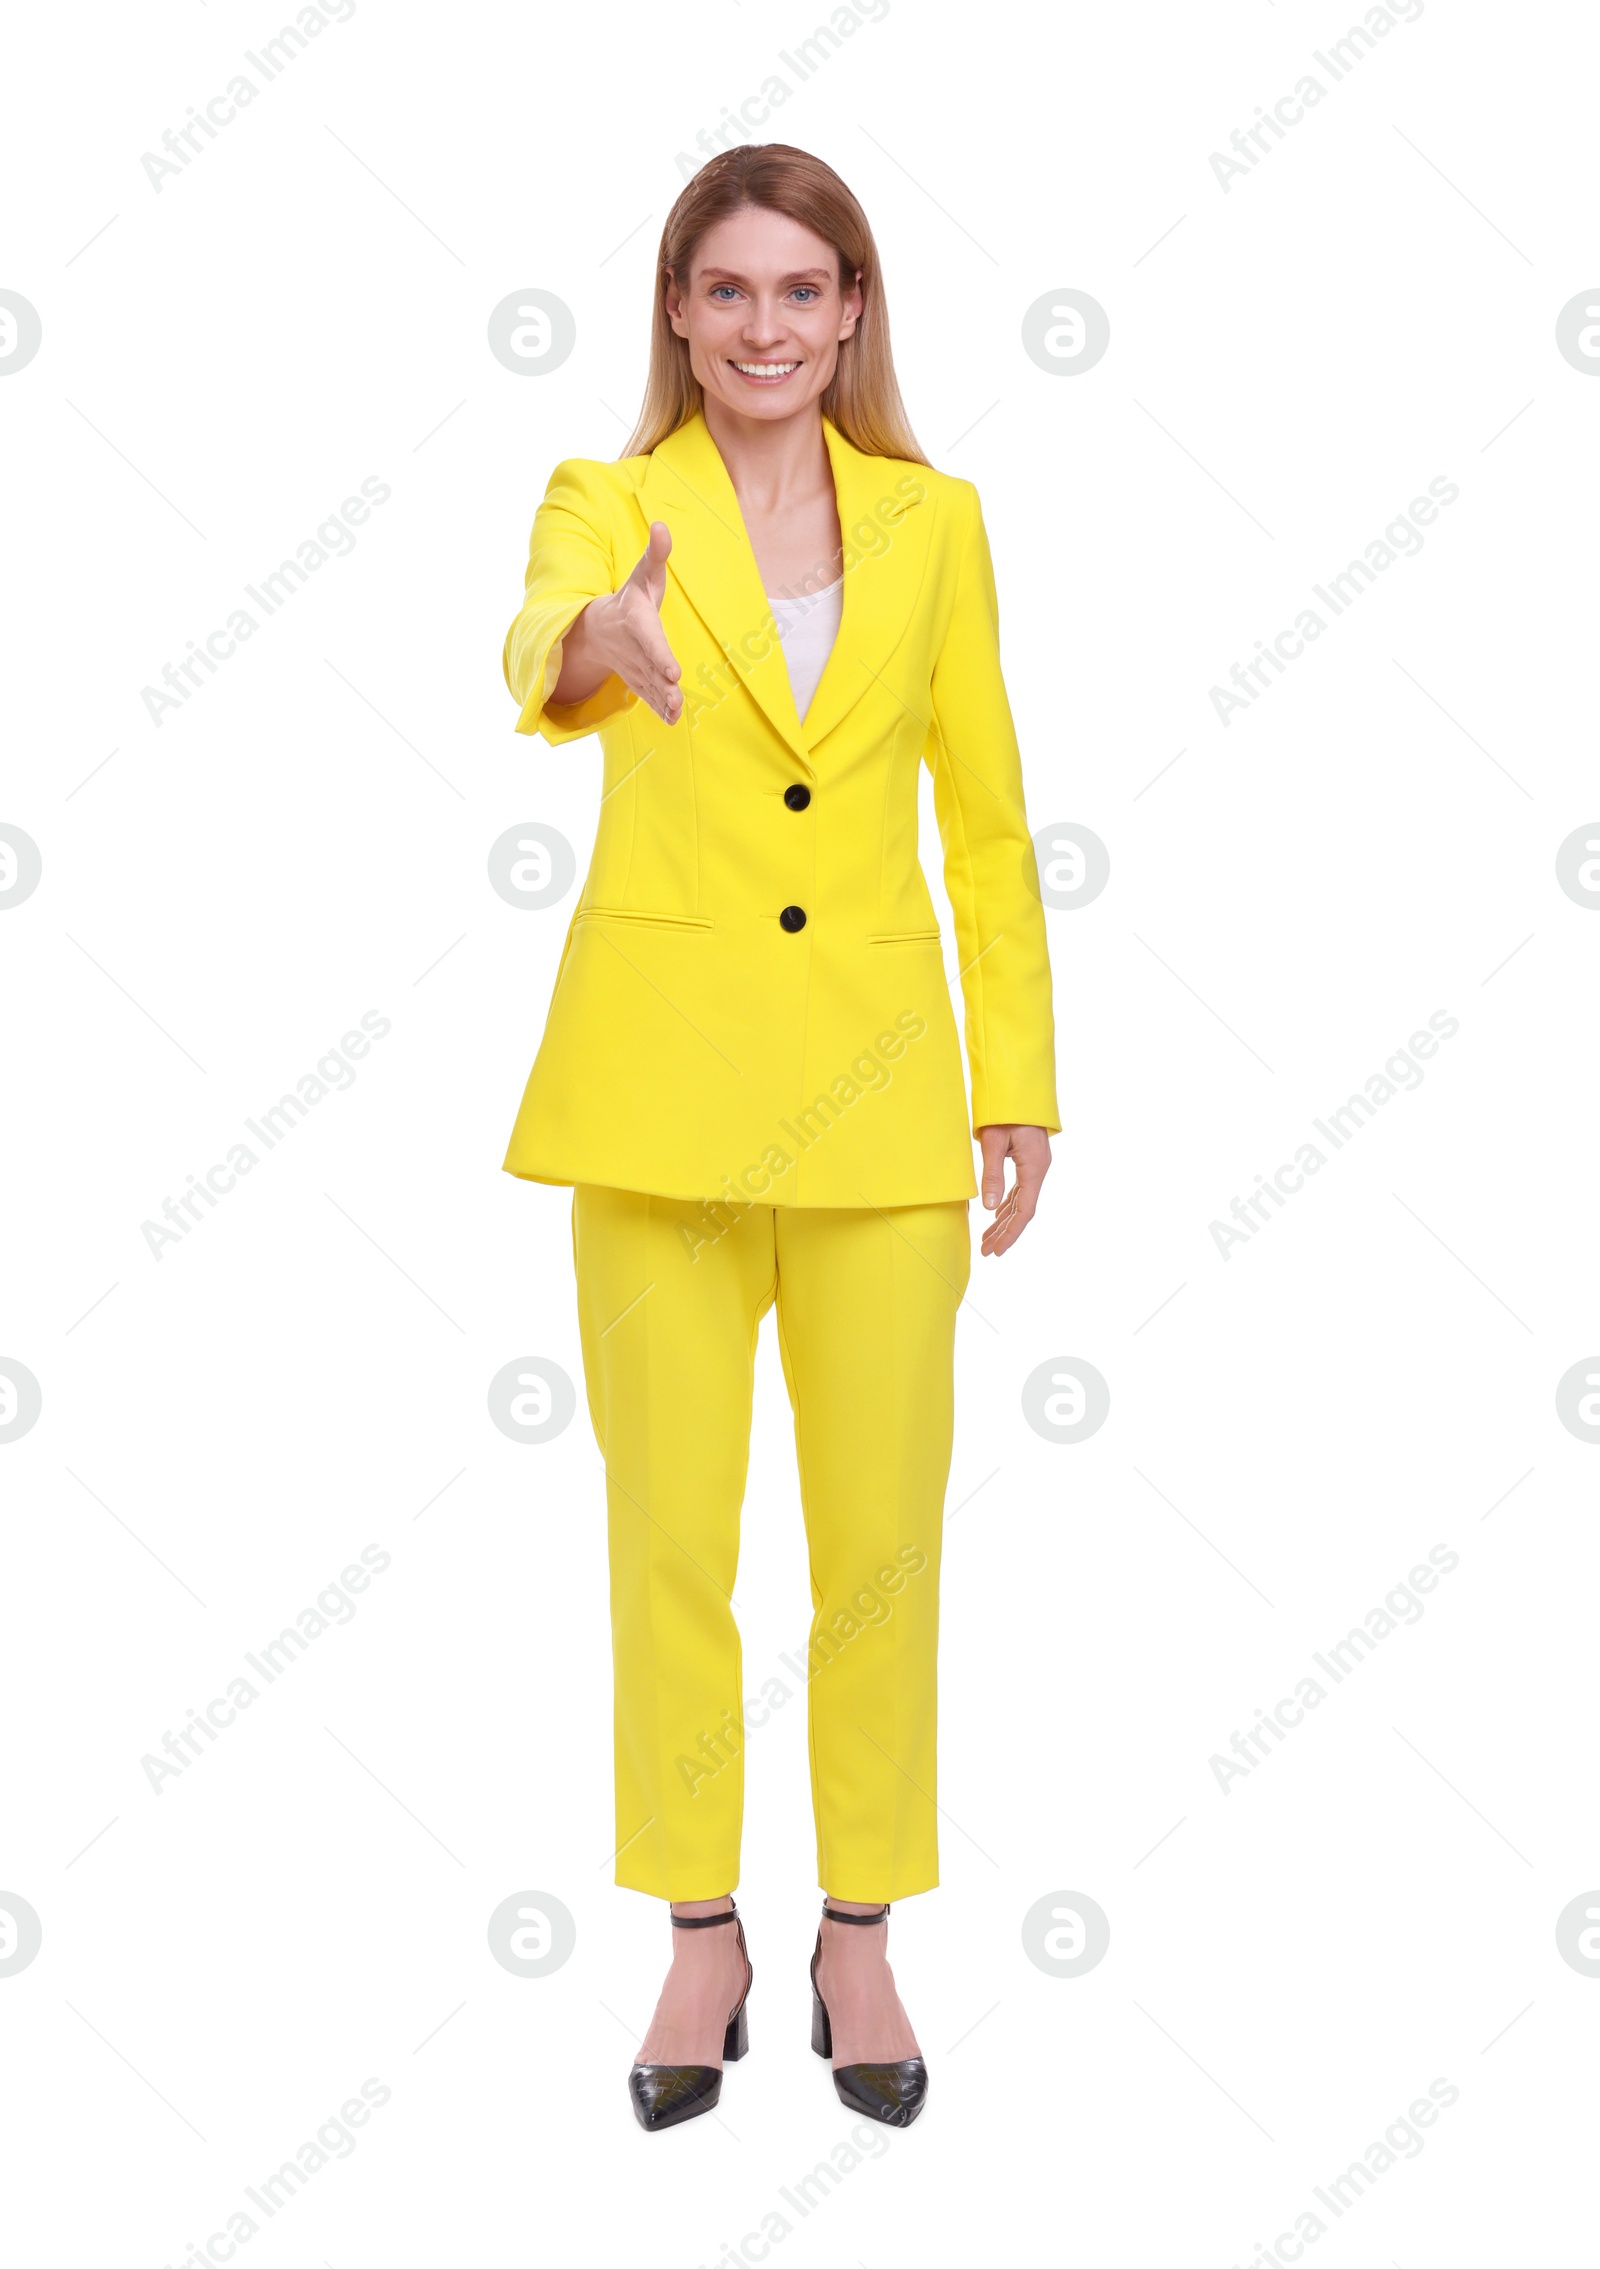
(670, 1295)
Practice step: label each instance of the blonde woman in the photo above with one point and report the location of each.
(774, 611)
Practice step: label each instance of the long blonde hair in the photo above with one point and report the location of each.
(863, 395)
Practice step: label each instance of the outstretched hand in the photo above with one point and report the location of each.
(628, 635)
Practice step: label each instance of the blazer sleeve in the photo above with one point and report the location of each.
(569, 563)
(990, 870)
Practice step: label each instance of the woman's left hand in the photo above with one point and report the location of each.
(1028, 1148)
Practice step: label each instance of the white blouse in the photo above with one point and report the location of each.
(808, 627)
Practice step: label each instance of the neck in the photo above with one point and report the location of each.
(772, 462)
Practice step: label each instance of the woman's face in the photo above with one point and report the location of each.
(763, 314)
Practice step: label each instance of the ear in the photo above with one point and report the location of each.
(853, 307)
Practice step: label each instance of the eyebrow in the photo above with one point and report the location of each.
(795, 275)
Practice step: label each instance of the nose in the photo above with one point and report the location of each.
(764, 324)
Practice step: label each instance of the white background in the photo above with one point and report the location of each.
(1292, 1428)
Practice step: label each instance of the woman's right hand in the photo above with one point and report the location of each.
(621, 636)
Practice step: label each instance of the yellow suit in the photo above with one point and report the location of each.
(751, 1076)
(696, 1046)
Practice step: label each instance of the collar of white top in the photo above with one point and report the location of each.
(807, 599)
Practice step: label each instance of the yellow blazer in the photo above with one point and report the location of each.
(752, 1002)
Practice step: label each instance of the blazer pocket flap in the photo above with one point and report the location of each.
(638, 914)
(907, 937)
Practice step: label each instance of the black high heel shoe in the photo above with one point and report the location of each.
(665, 2094)
(894, 2093)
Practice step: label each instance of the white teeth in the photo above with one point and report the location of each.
(766, 369)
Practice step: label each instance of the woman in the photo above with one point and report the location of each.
(773, 611)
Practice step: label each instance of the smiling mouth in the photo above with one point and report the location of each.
(763, 373)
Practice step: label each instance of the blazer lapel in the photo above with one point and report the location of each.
(886, 537)
(886, 543)
(686, 484)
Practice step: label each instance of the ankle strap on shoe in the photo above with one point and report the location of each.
(837, 1914)
(703, 1921)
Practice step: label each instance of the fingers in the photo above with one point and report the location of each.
(1006, 1227)
(995, 1144)
(648, 667)
(1029, 1151)
(658, 671)
(650, 573)
(637, 650)
(656, 551)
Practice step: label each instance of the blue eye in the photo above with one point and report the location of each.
(811, 288)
